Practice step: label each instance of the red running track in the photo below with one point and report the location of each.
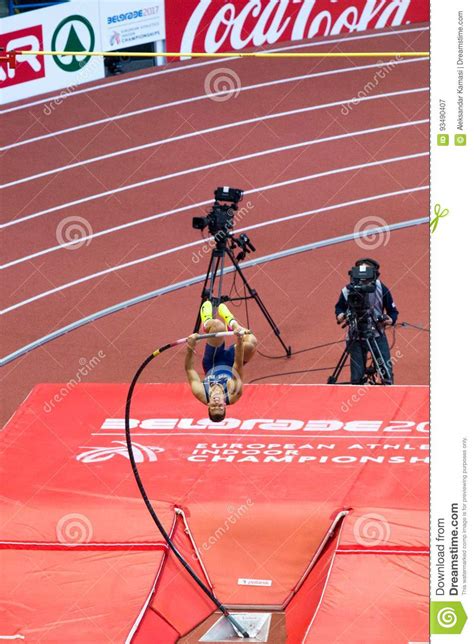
(319, 157)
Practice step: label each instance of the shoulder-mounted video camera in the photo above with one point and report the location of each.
(363, 279)
(363, 282)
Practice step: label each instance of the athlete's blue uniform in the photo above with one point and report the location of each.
(217, 363)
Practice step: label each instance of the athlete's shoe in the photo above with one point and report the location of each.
(227, 316)
(206, 313)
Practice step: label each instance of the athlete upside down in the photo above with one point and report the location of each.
(223, 367)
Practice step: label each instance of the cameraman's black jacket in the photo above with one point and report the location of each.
(381, 301)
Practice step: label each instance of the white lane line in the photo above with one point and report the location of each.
(169, 251)
(194, 207)
(181, 173)
(201, 97)
(193, 65)
(210, 130)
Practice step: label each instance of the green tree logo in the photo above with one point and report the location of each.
(67, 32)
(447, 618)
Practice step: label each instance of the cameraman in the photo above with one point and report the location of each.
(381, 311)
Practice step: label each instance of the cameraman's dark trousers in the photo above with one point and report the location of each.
(358, 351)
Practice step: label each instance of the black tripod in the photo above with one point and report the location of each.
(215, 277)
(378, 372)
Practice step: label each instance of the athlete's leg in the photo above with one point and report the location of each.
(250, 341)
(227, 316)
(250, 347)
(206, 314)
(215, 326)
(211, 325)
(215, 347)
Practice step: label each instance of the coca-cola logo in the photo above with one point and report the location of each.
(210, 26)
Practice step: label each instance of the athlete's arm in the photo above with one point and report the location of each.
(239, 353)
(236, 382)
(193, 377)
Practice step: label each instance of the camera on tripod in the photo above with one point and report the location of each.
(220, 219)
(220, 222)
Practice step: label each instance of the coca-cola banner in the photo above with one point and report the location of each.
(219, 25)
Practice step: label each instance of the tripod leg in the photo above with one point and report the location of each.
(217, 300)
(339, 367)
(380, 365)
(261, 305)
(384, 368)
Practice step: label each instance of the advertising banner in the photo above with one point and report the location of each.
(126, 24)
(67, 27)
(209, 26)
(95, 25)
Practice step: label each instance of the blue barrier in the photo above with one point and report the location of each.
(16, 7)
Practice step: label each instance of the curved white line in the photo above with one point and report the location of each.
(172, 175)
(169, 251)
(201, 97)
(192, 65)
(210, 130)
(194, 207)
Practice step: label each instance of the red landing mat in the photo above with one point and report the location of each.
(248, 500)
